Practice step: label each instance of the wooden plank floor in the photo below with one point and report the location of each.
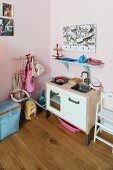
(43, 144)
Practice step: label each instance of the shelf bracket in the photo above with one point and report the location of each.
(66, 64)
(87, 69)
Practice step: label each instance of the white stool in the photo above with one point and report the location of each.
(104, 117)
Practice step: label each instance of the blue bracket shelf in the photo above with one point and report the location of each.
(85, 65)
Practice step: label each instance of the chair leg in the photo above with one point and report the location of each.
(101, 121)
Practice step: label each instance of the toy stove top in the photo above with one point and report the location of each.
(60, 81)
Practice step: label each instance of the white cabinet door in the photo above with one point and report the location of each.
(75, 111)
(55, 101)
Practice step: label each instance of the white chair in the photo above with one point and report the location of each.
(104, 117)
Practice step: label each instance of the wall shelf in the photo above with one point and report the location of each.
(85, 65)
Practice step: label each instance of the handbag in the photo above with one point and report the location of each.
(37, 69)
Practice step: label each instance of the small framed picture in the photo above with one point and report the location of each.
(6, 27)
(7, 10)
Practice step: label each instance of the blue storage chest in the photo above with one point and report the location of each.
(9, 118)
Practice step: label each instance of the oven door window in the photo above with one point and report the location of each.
(55, 100)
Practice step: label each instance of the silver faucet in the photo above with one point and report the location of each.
(88, 77)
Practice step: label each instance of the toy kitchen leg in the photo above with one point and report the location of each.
(87, 139)
(47, 114)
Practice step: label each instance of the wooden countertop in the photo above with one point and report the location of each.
(67, 87)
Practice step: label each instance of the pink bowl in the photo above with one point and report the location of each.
(68, 126)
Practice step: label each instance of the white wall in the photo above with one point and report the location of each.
(73, 12)
(31, 35)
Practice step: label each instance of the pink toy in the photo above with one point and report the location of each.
(68, 125)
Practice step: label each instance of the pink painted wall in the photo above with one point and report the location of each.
(32, 35)
(73, 12)
(35, 33)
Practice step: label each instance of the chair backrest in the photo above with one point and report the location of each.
(107, 100)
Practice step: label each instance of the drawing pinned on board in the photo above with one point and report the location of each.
(80, 38)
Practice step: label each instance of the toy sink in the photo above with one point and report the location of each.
(81, 88)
